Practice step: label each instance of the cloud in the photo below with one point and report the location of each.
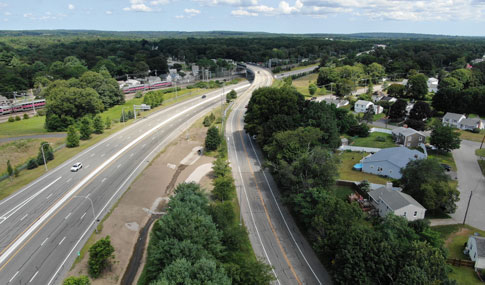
(241, 12)
(239, 3)
(160, 2)
(108, 12)
(138, 6)
(70, 7)
(46, 16)
(192, 11)
(2, 4)
(7, 13)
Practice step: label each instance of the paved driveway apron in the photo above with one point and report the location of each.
(470, 178)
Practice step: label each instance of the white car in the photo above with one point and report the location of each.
(76, 167)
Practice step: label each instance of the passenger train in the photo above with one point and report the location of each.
(21, 107)
(143, 87)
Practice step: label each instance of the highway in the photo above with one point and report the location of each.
(273, 233)
(45, 224)
(295, 72)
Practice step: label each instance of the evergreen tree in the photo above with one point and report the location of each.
(72, 139)
(9, 168)
(98, 124)
(99, 255)
(107, 124)
(86, 128)
(213, 139)
(48, 153)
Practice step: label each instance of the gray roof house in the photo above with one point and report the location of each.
(408, 137)
(389, 99)
(386, 200)
(470, 124)
(475, 248)
(337, 102)
(453, 119)
(390, 161)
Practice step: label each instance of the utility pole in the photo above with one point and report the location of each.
(222, 111)
(123, 115)
(467, 206)
(483, 140)
(43, 155)
(92, 207)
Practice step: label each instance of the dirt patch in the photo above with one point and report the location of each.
(461, 232)
(146, 195)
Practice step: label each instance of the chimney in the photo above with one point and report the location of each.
(389, 185)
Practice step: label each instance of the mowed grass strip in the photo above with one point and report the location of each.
(373, 141)
(348, 160)
(31, 126)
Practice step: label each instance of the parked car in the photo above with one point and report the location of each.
(76, 167)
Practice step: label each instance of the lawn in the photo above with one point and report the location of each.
(342, 192)
(371, 141)
(466, 135)
(455, 237)
(480, 152)
(348, 160)
(301, 84)
(446, 158)
(31, 126)
(482, 165)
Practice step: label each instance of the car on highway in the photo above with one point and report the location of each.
(203, 96)
(76, 167)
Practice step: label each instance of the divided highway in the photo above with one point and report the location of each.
(45, 224)
(273, 233)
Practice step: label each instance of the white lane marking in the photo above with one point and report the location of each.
(62, 240)
(92, 154)
(281, 213)
(31, 279)
(67, 217)
(83, 216)
(13, 277)
(131, 154)
(44, 242)
(143, 146)
(102, 155)
(68, 180)
(129, 137)
(12, 211)
(87, 166)
(48, 196)
(104, 179)
(119, 165)
(107, 145)
(24, 217)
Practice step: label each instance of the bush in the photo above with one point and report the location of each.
(11, 119)
(32, 163)
(138, 94)
(380, 139)
(73, 280)
(40, 112)
(17, 118)
(361, 130)
(99, 255)
(26, 116)
(72, 139)
(476, 130)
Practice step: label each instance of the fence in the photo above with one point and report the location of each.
(461, 262)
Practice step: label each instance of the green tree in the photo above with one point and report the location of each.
(450, 82)
(396, 90)
(203, 271)
(32, 163)
(312, 89)
(26, 116)
(417, 86)
(445, 138)
(48, 153)
(397, 110)
(98, 124)
(213, 139)
(207, 121)
(81, 280)
(420, 111)
(221, 167)
(107, 123)
(223, 188)
(86, 128)
(72, 139)
(99, 255)
(369, 115)
(9, 168)
(107, 87)
(345, 87)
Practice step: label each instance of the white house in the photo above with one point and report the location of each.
(453, 119)
(361, 106)
(470, 124)
(475, 248)
(433, 84)
(386, 200)
(337, 102)
(390, 161)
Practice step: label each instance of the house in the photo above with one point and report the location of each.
(386, 200)
(475, 248)
(4, 101)
(337, 102)
(361, 106)
(377, 96)
(409, 107)
(408, 137)
(471, 124)
(433, 84)
(453, 119)
(389, 99)
(390, 161)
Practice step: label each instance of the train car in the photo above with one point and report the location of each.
(5, 110)
(147, 87)
(30, 105)
(160, 85)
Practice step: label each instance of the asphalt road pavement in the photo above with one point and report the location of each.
(45, 224)
(272, 231)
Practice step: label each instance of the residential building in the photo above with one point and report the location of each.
(475, 248)
(409, 107)
(471, 124)
(433, 84)
(361, 106)
(337, 102)
(386, 201)
(389, 99)
(377, 96)
(390, 161)
(408, 137)
(4, 101)
(453, 119)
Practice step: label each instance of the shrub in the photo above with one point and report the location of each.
(40, 112)
(476, 130)
(72, 139)
(32, 163)
(361, 130)
(17, 118)
(99, 255)
(380, 139)
(73, 280)
(138, 94)
(11, 119)
(26, 116)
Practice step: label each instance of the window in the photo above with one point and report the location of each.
(410, 139)
(404, 214)
(420, 138)
(415, 213)
(390, 171)
(379, 169)
(409, 144)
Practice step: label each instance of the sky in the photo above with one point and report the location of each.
(448, 17)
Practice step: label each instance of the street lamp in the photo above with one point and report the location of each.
(92, 207)
(43, 155)
(123, 115)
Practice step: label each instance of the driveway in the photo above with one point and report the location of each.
(470, 178)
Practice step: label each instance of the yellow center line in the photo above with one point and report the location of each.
(264, 206)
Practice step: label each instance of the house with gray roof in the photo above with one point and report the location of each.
(386, 201)
(390, 161)
(471, 124)
(475, 248)
(453, 119)
(337, 102)
(408, 137)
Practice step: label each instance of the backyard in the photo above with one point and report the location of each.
(348, 160)
(455, 236)
(377, 140)
(342, 192)
(446, 158)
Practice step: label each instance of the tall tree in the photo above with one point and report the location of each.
(99, 255)
(396, 90)
(420, 111)
(417, 86)
(86, 128)
(397, 111)
(98, 124)
(72, 139)
(445, 138)
(213, 139)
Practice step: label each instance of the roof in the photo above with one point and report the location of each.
(470, 122)
(394, 199)
(405, 131)
(399, 156)
(336, 102)
(480, 245)
(453, 116)
(387, 98)
(363, 102)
